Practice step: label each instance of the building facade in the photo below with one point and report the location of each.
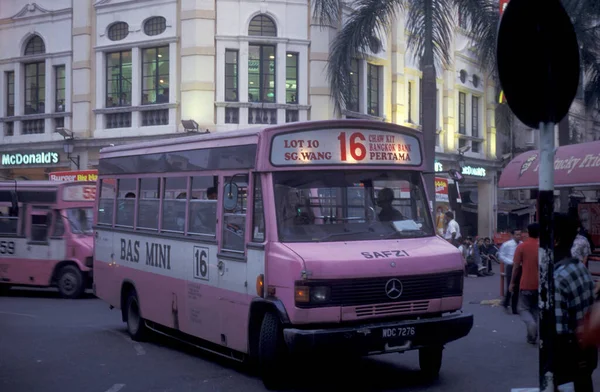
(80, 75)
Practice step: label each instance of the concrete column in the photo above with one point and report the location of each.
(490, 122)
(319, 93)
(49, 95)
(198, 24)
(485, 207)
(81, 73)
(19, 90)
(136, 77)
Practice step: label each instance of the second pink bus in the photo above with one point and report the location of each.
(284, 240)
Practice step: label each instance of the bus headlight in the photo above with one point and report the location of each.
(312, 294)
(89, 262)
(454, 284)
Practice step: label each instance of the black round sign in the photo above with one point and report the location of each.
(538, 60)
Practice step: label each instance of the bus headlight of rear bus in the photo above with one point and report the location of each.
(306, 295)
(454, 283)
(89, 262)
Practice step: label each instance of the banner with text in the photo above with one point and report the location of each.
(77, 175)
(441, 190)
(342, 147)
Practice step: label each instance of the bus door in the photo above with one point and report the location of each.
(231, 260)
(42, 250)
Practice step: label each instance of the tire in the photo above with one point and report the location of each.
(272, 353)
(136, 325)
(430, 361)
(4, 289)
(70, 282)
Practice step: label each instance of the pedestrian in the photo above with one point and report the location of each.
(525, 265)
(452, 230)
(506, 255)
(573, 298)
(581, 247)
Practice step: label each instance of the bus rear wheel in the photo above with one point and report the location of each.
(70, 282)
(136, 325)
(272, 352)
(430, 361)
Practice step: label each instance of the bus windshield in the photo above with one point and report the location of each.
(81, 220)
(315, 206)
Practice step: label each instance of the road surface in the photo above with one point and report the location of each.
(48, 344)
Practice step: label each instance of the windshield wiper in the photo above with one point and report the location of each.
(344, 233)
(407, 233)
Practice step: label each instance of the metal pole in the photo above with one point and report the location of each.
(547, 325)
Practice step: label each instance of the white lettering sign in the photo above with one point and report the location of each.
(79, 193)
(439, 167)
(39, 158)
(474, 171)
(345, 146)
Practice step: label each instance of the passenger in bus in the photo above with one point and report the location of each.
(211, 193)
(388, 213)
(181, 196)
(130, 195)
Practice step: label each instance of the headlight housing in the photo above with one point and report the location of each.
(89, 262)
(311, 295)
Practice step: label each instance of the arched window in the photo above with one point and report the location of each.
(262, 25)
(118, 31)
(155, 25)
(35, 45)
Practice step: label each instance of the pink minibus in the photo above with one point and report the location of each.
(268, 243)
(46, 235)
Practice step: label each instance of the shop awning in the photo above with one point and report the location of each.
(575, 165)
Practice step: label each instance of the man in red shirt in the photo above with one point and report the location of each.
(525, 268)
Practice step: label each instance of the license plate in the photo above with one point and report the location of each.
(398, 332)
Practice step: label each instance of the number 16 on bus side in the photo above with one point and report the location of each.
(200, 262)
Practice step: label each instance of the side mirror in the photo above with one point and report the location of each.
(230, 196)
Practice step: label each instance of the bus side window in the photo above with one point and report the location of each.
(174, 199)
(105, 204)
(202, 219)
(149, 204)
(39, 228)
(125, 201)
(258, 219)
(234, 221)
(59, 225)
(8, 223)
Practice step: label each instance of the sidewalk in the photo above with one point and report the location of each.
(518, 360)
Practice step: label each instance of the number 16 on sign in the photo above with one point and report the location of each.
(201, 263)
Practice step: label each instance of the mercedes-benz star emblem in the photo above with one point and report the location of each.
(393, 288)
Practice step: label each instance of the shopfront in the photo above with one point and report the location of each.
(477, 211)
(576, 168)
(31, 165)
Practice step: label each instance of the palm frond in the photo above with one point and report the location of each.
(430, 22)
(362, 32)
(485, 20)
(327, 12)
(592, 86)
(504, 119)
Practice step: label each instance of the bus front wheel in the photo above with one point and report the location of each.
(430, 361)
(135, 323)
(70, 282)
(272, 352)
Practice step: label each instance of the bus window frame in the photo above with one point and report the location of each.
(230, 254)
(39, 211)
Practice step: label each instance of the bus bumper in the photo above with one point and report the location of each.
(379, 338)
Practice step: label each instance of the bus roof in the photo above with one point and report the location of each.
(381, 145)
(231, 137)
(26, 184)
(47, 192)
